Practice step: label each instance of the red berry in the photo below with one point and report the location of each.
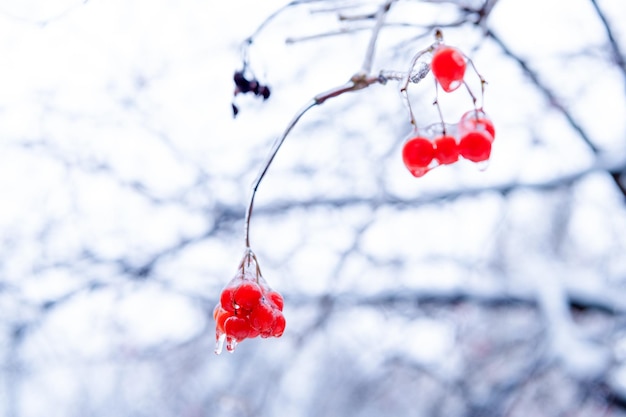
(476, 120)
(279, 325)
(236, 328)
(220, 315)
(253, 332)
(417, 154)
(227, 300)
(276, 299)
(446, 150)
(262, 317)
(247, 295)
(475, 146)
(448, 66)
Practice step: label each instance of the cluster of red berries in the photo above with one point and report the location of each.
(443, 144)
(248, 308)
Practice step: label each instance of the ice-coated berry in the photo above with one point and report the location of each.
(237, 328)
(276, 299)
(476, 120)
(448, 66)
(446, 150)
(417, 154)
(247, 295)
(220, 315)
(227, 298)
(262, 317)
(475, 146)
(279, 325)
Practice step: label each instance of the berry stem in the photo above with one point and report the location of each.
(436, 103)
(482, 84)
(357, 82)
(408, 78)
(277, 144)
(247, 43)
(469, 90)
(247, 259)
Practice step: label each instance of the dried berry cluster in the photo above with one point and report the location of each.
(248, 308)
(443, 144)
(244, 86)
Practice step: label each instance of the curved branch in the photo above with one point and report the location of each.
(551, 98)
(618, 56)
(366, 68)
(357, 82)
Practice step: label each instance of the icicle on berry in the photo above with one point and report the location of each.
(236, 329)
(248, 308)
(417, 155)
(448, 66)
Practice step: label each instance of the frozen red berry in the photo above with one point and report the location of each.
(276, 299)
(475, 146)
(236, 328)
(417, 154)
(262, 317)
(247, 295)
(279, 325)
(476, 120)
(227, 298)
(446, 150)
(448, 66)
(253, 332)
(220, 315)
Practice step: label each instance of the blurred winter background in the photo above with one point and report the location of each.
(124, 180)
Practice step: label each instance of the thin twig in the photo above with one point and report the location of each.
(293, 39)
(366, 68)
(357, 82)
(267, 164)
(344, 31)
(482, 84)
(250, 39)
(407, 80)
(436, 104)
(503, 188)
(618, 56)
(550, 96)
